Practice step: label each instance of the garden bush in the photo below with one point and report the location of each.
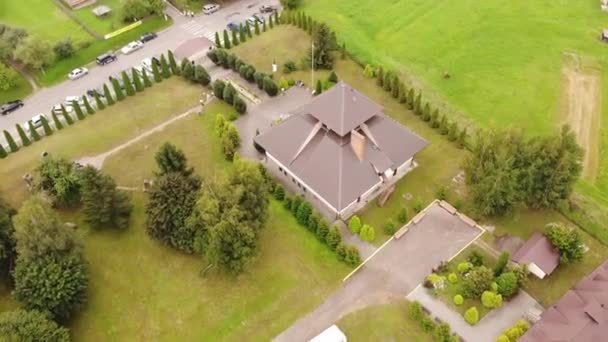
(463, 267)
(453, 278)
(352, 257)
(390, 228)
(303, 213)
(477, 281)
(414, 311)
(289, 67)
(427, 325)
(295, 204)
(475, 258)
(218, 89)
(270, 87)
(402, 217)
(239, 105)
(322, 230)
(503, 260)
(507, 284)
(333, 238)
(313, 223)
(471, 315)
(279, 193)
(458, 299)
(491, 300)
(368, 72)
(341, 251)
(367, 233)
(354, 224)
(287, 202)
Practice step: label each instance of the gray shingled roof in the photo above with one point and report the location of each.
(539, 250)
(341, 108)
(581, 315)
(324, 159)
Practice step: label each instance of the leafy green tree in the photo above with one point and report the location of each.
(507, 284)
(107, 95)
(352, 256)
(355, 224)
(217, 40)
(270, 86)
(103, 204)
(171, 201)
(7, 240)
(227, 44)
(8, 77)
(33, 131)
(229, 93)
(128, 84)
(87, 105)
(139, 87)
(218, 88)
(324, 45)
(58, 178)
(78, 110)
(117, 90)
(156, 73)
(64, 49)
(11, 142)
(133, 10)
(477, 281)
(231, 141)
(188, 71)
(500, 266)
(492, 172)
(53, 283)
(172, 64)
(25, 141)
(146, 78)
(56, 121)
(220, 124)
(33, 325)
(443, 333)
(333, 238)
(35, 53)
(567, 241)
(170, 159)
(367, 233)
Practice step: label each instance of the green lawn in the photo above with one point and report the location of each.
(388, 322)
(100, 132)
(504, 58)
(22, 89)
(58, 72)
(103, 25)
(43, 18)
(141, 291)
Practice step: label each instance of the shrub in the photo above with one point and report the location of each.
(414, 311)
(427, 324)
(22, 325)
(333, 77)
(87, 105)
(341, 251)
(354, 224)
(117, 90)
(156, 73)
(56, 121)
(313, 224)
(491, 300)
(33, 131)
(270, 87)
(442, 193)
(230, 141)
(218, 89)
(322, 227)
(129, 89)
(201, 76)
(402, 217)
(453, 278)
(318, 88)
(295, 204)
(458, 299)
(417, 207)
(283, 84)
(303, 213)
(368, 72)
(289, 67)
(213, 56)
(78, 110)
(25, 141)
(64, 49)
(3, 153)
(471, 315)
(8, 77)
(279, 193)
(333, 238)
(567, 241)
(239, 105)
(435, 279)
(352, 257)
(390, 228)
(107, 95)
(367, 233)
(172, 64)
(453, 132)
(507, 284)
(477, 281)
(287, 202)
(164, 67)
(228, 94)
(463, 267)
(502, 338)
(475, 258)
(503, 260)
(443, 333)
(66, 116)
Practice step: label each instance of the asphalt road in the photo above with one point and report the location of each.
(182, 29)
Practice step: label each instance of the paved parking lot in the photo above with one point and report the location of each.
(393, 272)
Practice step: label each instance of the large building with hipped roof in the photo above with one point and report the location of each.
(340, 150)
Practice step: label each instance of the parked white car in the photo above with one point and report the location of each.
(78, 73)
(37, 120)
(70, 99)
(132, 46)
(147, 64)
(211, 8)
(57, 109)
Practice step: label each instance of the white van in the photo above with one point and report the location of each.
(331, 334)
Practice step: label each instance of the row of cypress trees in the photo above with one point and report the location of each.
(245, 32)
(132, 85)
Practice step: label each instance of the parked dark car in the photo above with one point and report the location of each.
(91, 92)
(106, 58)
(233, 26)
(146, 37)
(268, 9)
(10, 107)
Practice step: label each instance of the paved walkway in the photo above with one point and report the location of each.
(392, 272)
(489, 327)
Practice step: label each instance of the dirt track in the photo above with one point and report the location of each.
(581, 110)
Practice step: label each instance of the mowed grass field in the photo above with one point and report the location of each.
(102, 25)
(505, 59)
(42, 18)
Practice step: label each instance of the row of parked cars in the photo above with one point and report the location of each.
(255, 18)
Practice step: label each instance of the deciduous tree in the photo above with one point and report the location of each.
(32, 325)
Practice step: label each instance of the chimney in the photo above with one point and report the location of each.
(358, 144)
